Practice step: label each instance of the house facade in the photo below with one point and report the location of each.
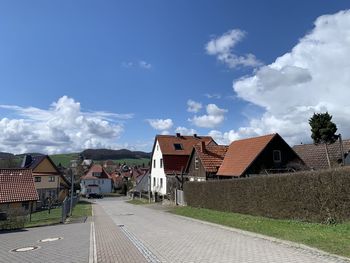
(96, 181)
(49, 182)
(169, 159)
(266, 154)
(205, 161)
(18, 195)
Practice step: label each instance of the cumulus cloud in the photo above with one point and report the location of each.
(223, 48)
(212, 96)
(312, 77)
(145, 65)
(161, 124)
(64, 127)
(185, 131)
(193, 106)
(214, 117)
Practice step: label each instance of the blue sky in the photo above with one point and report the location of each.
(124, 71)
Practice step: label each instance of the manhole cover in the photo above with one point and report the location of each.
(50, 239)
(121, 225)
(24, 249)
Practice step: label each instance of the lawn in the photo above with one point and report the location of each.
(82, 209)
(331, 238)
(64, 159)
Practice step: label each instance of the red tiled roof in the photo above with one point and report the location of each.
(315, 156)
(212, 157)
(166, 143)
(17, 185)
(96, 168)
(242, 153)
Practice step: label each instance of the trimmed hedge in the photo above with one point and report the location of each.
(315, 196)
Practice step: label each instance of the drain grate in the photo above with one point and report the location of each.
(149, 256)
(50, 239)
(25, 249)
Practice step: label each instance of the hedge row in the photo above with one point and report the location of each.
(316, 196)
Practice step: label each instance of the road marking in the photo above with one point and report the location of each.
(149, 256)
(92, 252)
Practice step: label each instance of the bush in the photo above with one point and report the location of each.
(315, 196)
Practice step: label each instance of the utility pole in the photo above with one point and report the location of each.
(71, 191)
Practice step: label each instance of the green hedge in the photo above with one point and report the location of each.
(316, 196)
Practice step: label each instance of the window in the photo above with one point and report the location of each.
(154, 163)
(37, 179)
(161, 163)
(51, 178)
(161, 182)
(154, 181)
(157, 147)
(178, 146)
(96, 174)
(277, 156)
(196, 163)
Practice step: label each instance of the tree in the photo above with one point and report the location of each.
(323, 131)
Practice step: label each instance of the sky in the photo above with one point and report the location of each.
(113, 74)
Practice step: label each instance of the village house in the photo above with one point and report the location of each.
(96, 181)
(266, 154)
(18, 195)
(315, 157)
(170, 155)
(49, 182)
(205, 161)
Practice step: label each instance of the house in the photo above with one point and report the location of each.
(96, 180)
(49, 182)
(170, 155)
(259, 155)
(205, 161)
(18, 194)
(315, 157)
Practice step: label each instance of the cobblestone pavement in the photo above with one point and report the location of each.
(74, 247)
(170, 238)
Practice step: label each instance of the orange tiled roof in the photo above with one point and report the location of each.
(242, 153)
(212, 157)
(166, 143)
(17, 185)
(96, 168)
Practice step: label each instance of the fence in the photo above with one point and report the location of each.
(180, 198)
(66, 207)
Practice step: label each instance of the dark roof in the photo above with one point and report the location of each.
(315, 156)
(167, 143)
(31, 162)
(242, 153)
(17, 185)
(211, 157)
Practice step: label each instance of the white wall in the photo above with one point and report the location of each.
(157, 172)
(105, 185)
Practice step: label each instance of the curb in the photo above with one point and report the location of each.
(311, 250)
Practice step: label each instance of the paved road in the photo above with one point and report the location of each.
(74, 247)
(162, 237)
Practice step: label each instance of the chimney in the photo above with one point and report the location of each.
(203, 150)
(178, 134)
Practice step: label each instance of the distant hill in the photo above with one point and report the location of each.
(106, 154)
(4, 155)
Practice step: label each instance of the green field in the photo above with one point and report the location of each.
(331, 238)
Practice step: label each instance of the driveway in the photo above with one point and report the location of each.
(142, 234)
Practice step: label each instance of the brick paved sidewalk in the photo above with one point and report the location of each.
(112, 244)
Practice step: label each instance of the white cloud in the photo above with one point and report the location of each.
(214, 117)
(61, 128)
(185, 131)
(212, 96)
(222, 47)
(161, 124)
(144, 65)
(193, 106)
(312, 77)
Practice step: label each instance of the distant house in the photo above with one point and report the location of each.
(96, 180)
(259, 155)
(17, 194)
(205, 161)
(170, 155)
(314, 155)
(49, 182)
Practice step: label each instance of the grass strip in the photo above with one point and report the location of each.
(331, 238)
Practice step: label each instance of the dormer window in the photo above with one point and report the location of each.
(277, 156)
(178, 146)
(96, 174)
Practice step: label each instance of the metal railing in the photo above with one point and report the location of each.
(67, 207)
